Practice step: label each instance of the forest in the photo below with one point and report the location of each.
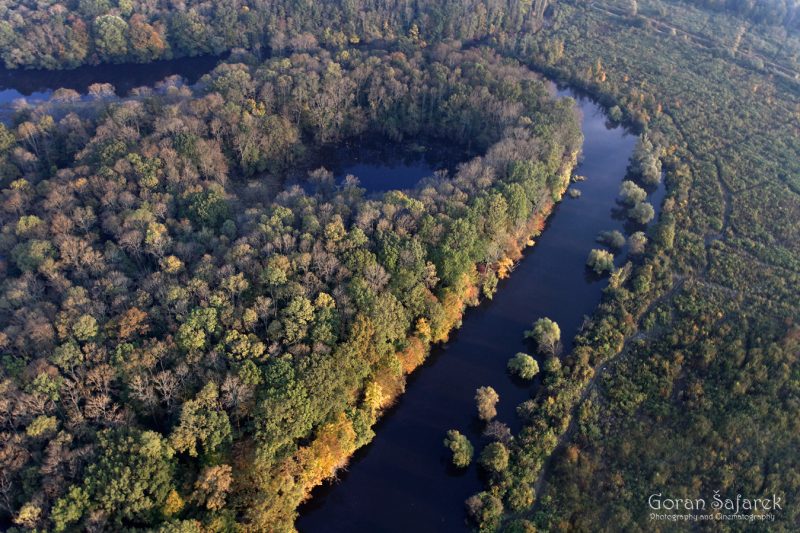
(188, 342)
(52, 35)
(198, 323)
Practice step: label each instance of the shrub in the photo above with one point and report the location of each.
(601, 261)
(461, 447)
(486, 399)
(523, 365)
(642, 212)
(612, 238)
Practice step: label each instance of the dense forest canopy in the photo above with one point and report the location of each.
(68, 34)
(171, 311)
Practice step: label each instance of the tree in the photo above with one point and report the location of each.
(600, 261)
(69, 508)
(485, 510)
(297, 315)
(202, 422)
(523, 365)
(193, 334)
(461, 447)
(637, 243)
(212, 486)
(128, 480)
(146, 42)
(614, 239)
(645, 163)
(93, 8)
(631, 194)
(642, 212)
(209, 208)
(85, 328)
(486, 400)
(546, 334)
(111, 37)
(494, 457)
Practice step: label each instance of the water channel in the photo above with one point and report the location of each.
(403, 481)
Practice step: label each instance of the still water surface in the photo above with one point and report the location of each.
(382, 165)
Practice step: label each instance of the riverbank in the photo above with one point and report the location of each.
(405, 473)
(390, 391)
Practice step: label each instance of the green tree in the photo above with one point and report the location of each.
(69, 508)
(85, 328)
(494, 457)
(645, 162)
(486, 399)
(523, 365)
(642, 212)
(296, 317)
(30, 255)
(111, 37)
(93, 8)
(202, 422)
(485, 510)
(601, 261)
(193, 334)
(614, 239)
(546, 334)
(209, 208)
(128, 480)
(461, 447)
(631, 194)
(637, 243)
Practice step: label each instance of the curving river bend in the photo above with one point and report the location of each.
(403, 481)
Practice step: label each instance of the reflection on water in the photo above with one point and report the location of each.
(38, 85)
(381, 165)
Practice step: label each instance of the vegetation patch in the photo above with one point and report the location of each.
(232, 352)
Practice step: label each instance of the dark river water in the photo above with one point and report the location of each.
(402, 481)
(36, 85)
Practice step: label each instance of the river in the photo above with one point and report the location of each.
(402, 481)
(38, 85)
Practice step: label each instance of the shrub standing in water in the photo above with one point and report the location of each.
(642, 212)
(461, 447)
(631, 194)
(486, 399)
(600, 261)
(547, 335)
(613, 238)
(523, 365)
